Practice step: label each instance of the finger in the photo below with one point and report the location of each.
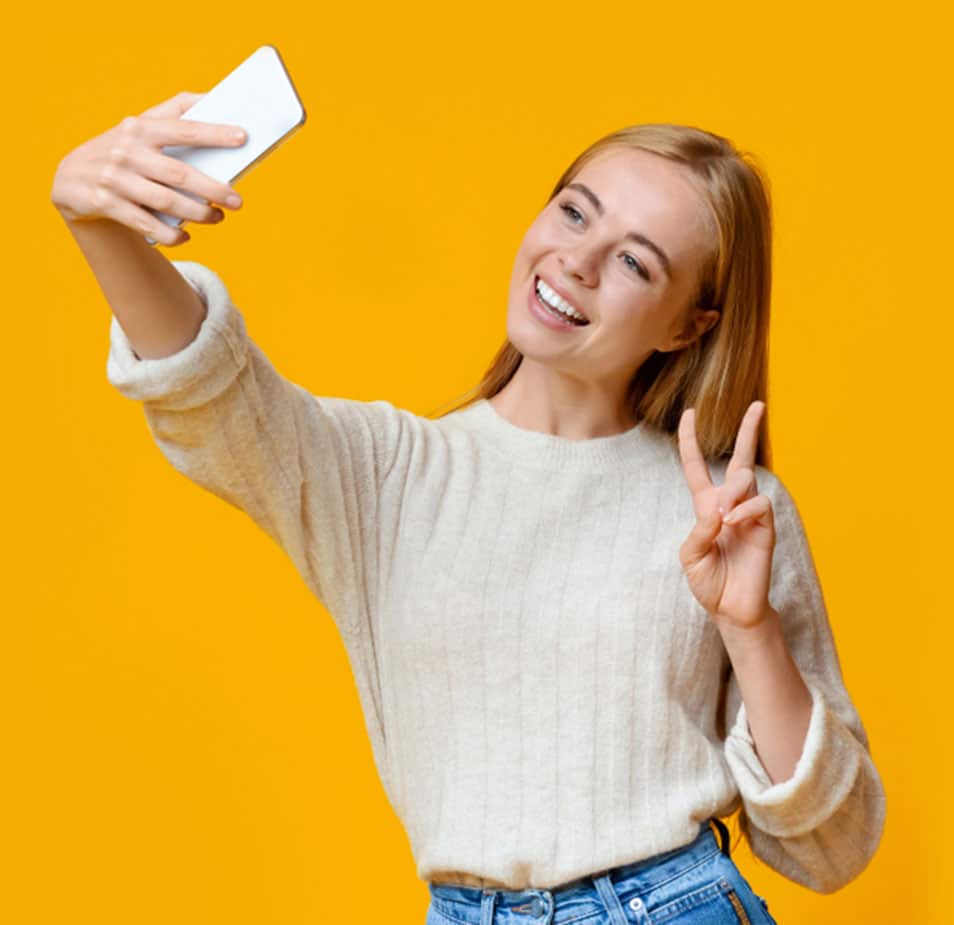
(757, 510)
(145, 192)
(693, 463)
(738, 486)
(173, 108)
(746, 442)
(177, 174)
(131, 215)
(190, 132)
(700, 539)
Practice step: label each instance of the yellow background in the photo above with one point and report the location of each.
(182, 741)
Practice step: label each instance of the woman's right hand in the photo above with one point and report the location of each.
(114, 175)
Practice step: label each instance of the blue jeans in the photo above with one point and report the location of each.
(696, 884)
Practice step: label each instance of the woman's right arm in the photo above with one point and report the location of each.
(309, 470)
(101, 189)
(158, 310)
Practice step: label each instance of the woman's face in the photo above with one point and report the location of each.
(623, 243)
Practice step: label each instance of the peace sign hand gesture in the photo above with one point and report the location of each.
(728, 565)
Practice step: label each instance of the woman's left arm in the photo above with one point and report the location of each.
(813, 798)
(813, 801)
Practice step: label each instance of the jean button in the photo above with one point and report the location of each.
(635, 904)
(537, 906)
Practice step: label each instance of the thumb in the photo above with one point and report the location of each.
(700, 538)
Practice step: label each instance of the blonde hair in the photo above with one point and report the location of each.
(723, 371)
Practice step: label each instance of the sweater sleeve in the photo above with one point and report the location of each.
(306, 469)
(822, 826)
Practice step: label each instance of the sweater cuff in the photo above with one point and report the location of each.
(824, 775)
(201, 370)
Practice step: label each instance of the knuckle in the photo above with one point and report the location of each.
(100, 198)
(164, 200)
(190, 130)
(107, 175)
(118, 153)
(178, 174)
(129, 126)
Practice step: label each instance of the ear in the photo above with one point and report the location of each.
(700, 322)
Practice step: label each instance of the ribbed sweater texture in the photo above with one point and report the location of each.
(543, 695)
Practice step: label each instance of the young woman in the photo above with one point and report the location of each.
(582, 613)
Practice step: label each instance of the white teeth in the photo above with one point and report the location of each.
(556, 301)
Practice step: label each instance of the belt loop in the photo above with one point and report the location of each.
(723, 834)
(607, 892)
(487, 904)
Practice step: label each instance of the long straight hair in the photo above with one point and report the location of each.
(722, 372)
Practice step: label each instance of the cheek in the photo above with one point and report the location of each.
(526, 252)
(624, 303)
(633, 317)
(540, 236)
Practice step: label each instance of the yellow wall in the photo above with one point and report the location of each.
(182, 741)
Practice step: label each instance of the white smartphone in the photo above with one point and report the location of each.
(258, 96)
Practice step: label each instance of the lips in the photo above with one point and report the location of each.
(563, 295)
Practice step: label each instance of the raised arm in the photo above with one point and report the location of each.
(822, 826)
(102, 190)
(308, 470)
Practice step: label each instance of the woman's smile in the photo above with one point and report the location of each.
(546, 313)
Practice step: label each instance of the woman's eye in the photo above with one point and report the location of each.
(636, 265)
(571, 211)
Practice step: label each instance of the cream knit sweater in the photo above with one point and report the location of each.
(544, 696)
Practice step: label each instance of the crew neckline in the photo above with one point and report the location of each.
(538, 448)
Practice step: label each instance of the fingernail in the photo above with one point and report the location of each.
(238, 134)
(234, 201)
(729, 518)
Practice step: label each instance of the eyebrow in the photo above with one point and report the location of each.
(632, 235)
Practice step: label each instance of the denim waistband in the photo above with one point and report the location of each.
(639, 877)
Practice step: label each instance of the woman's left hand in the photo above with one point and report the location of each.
(728, 565)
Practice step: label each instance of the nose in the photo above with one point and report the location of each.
(579, 263)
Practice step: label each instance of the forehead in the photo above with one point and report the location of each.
(651, 194)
